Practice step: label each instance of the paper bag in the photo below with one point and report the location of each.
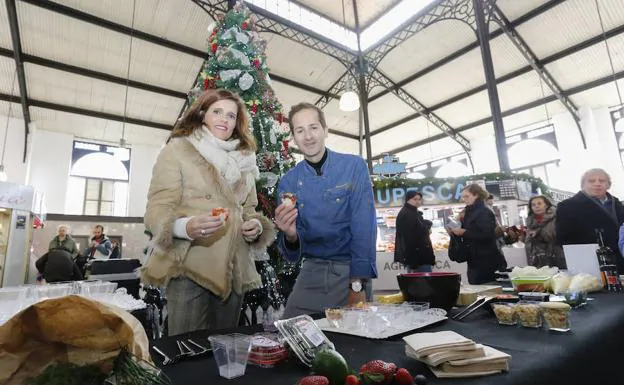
(70, 329)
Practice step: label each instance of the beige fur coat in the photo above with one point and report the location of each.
(184, 184)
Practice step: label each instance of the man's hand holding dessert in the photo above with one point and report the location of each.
(286, 216)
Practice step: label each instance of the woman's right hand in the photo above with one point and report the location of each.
(286, 221)
(202, 226)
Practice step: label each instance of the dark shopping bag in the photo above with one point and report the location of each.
(459, 249)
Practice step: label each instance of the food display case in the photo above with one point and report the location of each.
(442, 206)
(19, 206)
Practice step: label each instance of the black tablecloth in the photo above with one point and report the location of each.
(593, 352)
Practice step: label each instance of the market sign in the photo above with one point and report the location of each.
(445, 191)
(433, 194)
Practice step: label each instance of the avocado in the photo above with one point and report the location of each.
(331, 364)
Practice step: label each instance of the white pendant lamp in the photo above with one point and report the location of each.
(349, 101)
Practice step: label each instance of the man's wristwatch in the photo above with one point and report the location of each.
(356, 286)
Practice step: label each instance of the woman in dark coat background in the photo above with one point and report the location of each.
(541, 239)
(478, 231)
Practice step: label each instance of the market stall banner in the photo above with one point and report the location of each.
(448, 192)
(387, 269)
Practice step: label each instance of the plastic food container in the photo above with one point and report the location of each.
(529, 284)
(334, 316)
(534, 296)
(556, 316)
(576, 298)
(505, 313)
(266, 350)
(304, 337)
(529, 314)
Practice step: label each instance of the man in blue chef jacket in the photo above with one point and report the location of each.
(332, 225)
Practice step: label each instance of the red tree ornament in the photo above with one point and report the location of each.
(256, 63)
(254, 109)
(206, 84)
(245, 25)
(213, 47)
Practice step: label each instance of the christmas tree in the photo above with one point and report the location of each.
(237, 62)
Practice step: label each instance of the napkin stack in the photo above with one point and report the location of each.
(449, 354)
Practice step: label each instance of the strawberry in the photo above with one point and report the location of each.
(313, 380)
(352, 379)
(403, 377)
(381, 371)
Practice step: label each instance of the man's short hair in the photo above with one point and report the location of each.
(100, 227)
(593, 171)
(305, 106)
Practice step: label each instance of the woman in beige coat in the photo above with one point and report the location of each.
(206, 261)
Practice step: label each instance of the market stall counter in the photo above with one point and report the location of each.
(591, 353)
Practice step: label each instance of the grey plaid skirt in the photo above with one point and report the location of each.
(192, 307)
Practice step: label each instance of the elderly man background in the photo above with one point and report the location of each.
(64, 241)
(591, 209)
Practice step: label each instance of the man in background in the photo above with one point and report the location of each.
(593, 208)
(101, 246)
(412, 240)
(116, 251)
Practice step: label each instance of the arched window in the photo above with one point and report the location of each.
(531, 151)
(415, 175)
(452, 170)
(536, 157)
(100, 164)
(98, 185)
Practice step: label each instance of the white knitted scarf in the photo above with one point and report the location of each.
(223, 156)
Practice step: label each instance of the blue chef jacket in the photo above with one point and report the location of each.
(336, 218)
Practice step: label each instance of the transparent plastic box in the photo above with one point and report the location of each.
(267, 350)
(556, 316)
(529, 314)
(304, 337)
(505, 313)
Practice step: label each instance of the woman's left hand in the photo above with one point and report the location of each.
(458, 231)
(251, 229)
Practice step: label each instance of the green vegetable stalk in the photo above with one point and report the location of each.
(126, 371)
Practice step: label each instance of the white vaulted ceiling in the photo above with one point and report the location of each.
(75, 58)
